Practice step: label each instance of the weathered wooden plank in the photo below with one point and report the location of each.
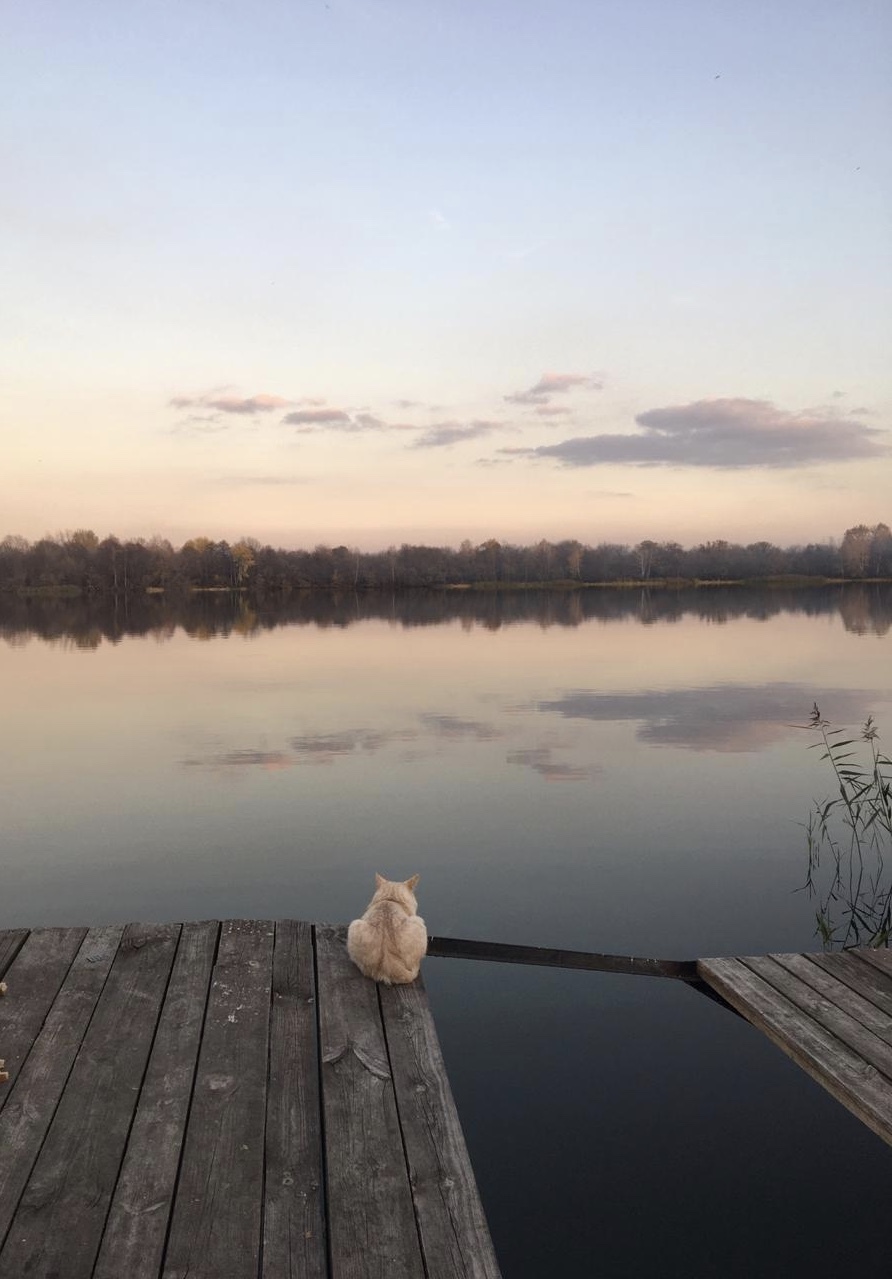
(371, 1220)
(881, 959)
(34, 979)
(11, 940)
(841, 1024)
(216, 1226)
(58, 1224)
(136, 1229)
(35, 1090)
(838, 993)
(859, 1087)
(294, 1223)
(454, 1235)
(863, 978)
(550, 957)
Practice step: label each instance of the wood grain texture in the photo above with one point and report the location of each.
(11, 939)
(879, 959)
(59, 1221)
(372, 1229)
(848, 1001)
(136, 1229)
(34, 978)
(35, 1091)
(218, 1102)
(454, 1235)
(217, 1217)
(850, 1079)
(863, 978)
(294, 1239)
(827, 1014)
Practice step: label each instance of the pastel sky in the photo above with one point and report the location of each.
(373, 271)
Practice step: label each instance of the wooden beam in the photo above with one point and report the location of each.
(59, 1221)
(451, 1223)
(34, 978)
(10, 942)
(35, 1089)
(294, 1239)
(848, 1001)
(863, 978)
(371, 1218)
(549, 957)
(877, 958)
(869, 1047)
(841, 1071)
(216, 1225)
(133, 1242)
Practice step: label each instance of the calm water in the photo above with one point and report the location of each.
(610, 771)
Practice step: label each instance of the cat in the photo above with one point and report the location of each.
(388, 943)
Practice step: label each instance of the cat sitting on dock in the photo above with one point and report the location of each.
(388, 943)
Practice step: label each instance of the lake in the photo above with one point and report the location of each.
(611, 770)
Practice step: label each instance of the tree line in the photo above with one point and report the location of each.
(79, 562)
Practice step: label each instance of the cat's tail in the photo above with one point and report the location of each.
(398, 973)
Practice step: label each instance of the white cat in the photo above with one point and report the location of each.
(388, 943)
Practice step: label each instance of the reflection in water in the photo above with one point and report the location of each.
(326, 739)
(540, 761)
(451, 726)
(724, 717)
(863, 609)
(850, 840)
(436, 733)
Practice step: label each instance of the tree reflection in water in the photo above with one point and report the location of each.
(88, 621)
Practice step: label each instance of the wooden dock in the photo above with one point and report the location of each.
(832, 1013)
(222, 1101)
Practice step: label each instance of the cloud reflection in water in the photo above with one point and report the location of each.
(723, 717)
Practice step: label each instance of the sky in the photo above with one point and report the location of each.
(384, 271)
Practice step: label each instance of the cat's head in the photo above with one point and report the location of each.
(398, 890)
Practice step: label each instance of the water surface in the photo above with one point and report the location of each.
(607, 770)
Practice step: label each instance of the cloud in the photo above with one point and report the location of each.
(270, 761)
(444, 434)
(319, 417)
(551, 410)
(309, 421)
(438, 220)
(728, 434)
(728, 718)
(451, 726)
(232, 403)
(541, 762)
(325, 748)
(550, 384)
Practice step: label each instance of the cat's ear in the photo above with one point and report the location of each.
(412, 883)
(379, 880)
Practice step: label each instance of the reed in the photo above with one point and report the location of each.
(849, 838)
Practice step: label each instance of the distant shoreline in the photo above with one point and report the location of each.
(493, 587)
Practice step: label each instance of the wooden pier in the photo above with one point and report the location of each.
(832, 1013)
(235, 1101)
(224, 1101)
